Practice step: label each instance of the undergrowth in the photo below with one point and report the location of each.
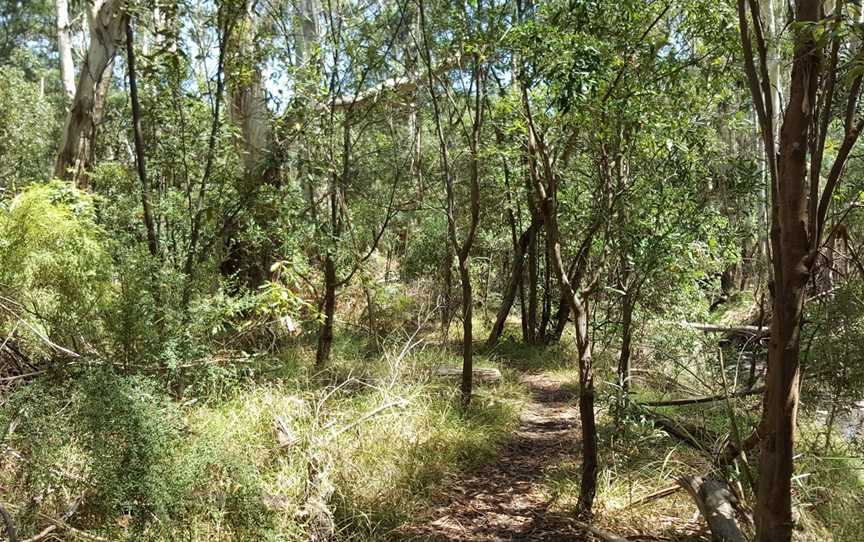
(284, 454)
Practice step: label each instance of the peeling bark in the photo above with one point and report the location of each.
(77, 147)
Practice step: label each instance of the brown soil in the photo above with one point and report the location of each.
(504, 500)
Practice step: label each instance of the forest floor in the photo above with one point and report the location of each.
(505, 499)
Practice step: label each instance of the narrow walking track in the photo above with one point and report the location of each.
(504, 500)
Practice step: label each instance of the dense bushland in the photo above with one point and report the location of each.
(255, 257)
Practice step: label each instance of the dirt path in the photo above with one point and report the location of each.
(504, 500)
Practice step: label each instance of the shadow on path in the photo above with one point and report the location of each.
(504, 500)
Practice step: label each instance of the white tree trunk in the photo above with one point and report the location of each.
(310, 30)
(249, 111)
(249, 102)
(106, 31)
(64, 47)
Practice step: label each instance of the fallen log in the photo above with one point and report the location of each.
(733, 330)
(715, 502)
(665, 492)
(486, 375)
(697, 437)
(703, 399)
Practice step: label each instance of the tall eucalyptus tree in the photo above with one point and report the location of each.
(77, 148)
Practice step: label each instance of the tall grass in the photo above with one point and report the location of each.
(348, 453)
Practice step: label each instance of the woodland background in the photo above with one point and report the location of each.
(243, 243)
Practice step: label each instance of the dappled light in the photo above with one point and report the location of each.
(415, 270)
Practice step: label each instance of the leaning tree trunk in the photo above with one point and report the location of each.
(628, 303)
(140, 160)
(561, 317)
(512, 286)
(76, 149)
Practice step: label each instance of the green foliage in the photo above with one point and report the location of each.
(281, 298)
(194, 411)
(829, 484)
(129, 430)
(834, 350)
(103, 437)
(27, 131)
(56, 274)
(425, 251)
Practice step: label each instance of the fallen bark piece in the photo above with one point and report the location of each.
(715, 502)
(483, 374)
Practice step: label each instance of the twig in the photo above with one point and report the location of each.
(39, 334)
(17, 377)
(401, 403)
(665, 492)
(72, 530)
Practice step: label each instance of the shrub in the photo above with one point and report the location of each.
(129, 431)
(56, 275)
(123, 447)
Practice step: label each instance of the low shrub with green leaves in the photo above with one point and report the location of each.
(56, 277)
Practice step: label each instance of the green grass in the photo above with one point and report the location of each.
(828, 486)
(282, 452)
(270, 448)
